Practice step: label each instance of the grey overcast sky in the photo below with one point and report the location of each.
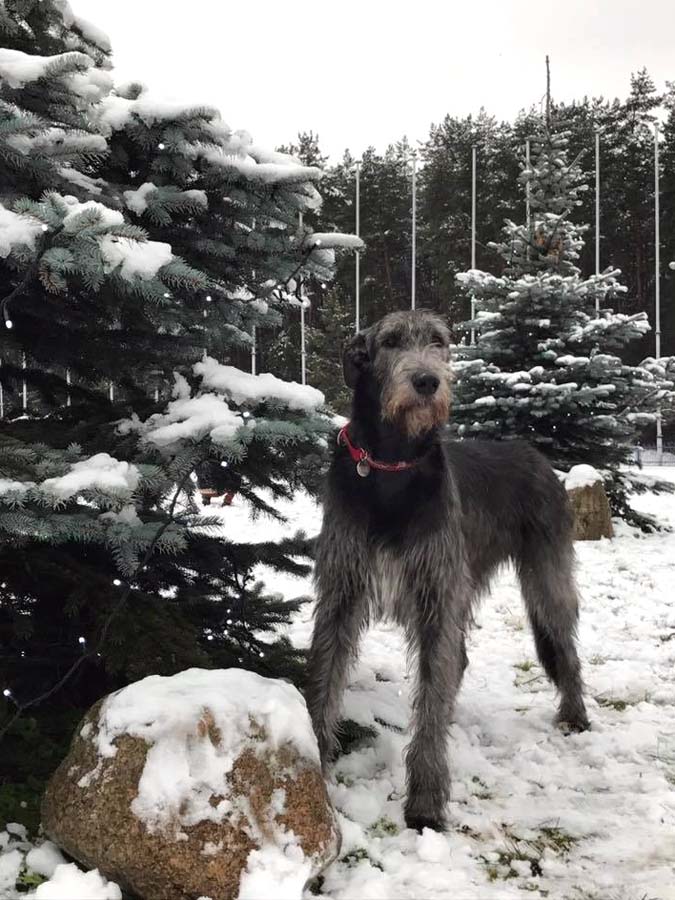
(368, 72)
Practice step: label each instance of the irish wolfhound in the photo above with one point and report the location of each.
(414, 527)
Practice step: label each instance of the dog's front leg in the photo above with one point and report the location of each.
(437, 640)
(339, 617)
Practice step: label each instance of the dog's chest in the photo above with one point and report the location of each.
(387, 584)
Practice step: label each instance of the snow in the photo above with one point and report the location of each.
(275, 872)
(92, 33)
(241, 387)
(137, 200)
(582, 476)
(135, 259)
(101, 472)
(10, 866)
(44, 859)
(191, 418)
(518, 783)
(89, 32)
(19, 69)
(333, 241)
(93, 185)
(71, 883)
(266, 173)
(16, 230)
(183, 768)
(108, 218)
(596, 811)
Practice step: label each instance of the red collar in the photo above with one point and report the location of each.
(365, 462)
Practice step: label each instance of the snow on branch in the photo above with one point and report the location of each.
(334, 241)
(101, 472)
(17, 230)
(77, 70)
(243, 388)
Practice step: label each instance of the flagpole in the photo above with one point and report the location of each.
(597, 214)
(302, 319)
(357, 285)
(527, 197)
(473, 235)
(414, 230)
(657, 283)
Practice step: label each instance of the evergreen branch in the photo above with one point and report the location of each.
(126, 593)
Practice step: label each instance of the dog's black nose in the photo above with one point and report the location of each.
(425, 383)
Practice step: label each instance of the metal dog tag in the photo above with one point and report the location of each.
(363, 468)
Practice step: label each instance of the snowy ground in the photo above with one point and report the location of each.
(584, 817)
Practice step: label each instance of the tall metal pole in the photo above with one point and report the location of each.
(414, 230)
(357, 285)
(657, 283)
(24, 390)
(303, 354)
(473, 234)
(527, 197)
(597, 214)
(302, 321)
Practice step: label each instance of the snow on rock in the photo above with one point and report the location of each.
(135, 259)
(241, 387)
(70, 883)
(582, 476)
(101, 472)
(275, 872)
(210, 759)
(17, 230)
(178, 779)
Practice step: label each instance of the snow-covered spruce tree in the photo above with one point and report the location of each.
(546, 366)
(140, 244)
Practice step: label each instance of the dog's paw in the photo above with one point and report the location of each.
(419, 823)
(572, 724)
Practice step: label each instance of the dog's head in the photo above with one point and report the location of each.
(404, 360)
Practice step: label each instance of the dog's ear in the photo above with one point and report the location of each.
(355, 358)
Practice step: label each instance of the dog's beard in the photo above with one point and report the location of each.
(415, 415)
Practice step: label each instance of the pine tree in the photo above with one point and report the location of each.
(140, 244)
(545, 365)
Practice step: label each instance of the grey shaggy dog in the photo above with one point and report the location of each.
(420, 545)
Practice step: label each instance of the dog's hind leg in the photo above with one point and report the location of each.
(547, 582)
(339, 617)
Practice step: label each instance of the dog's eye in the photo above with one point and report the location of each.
(437, 341)
(390, 341)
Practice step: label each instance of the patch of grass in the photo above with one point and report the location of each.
(384, 827)
(528, 851)
(597, 660)
(611, 703)
(526, 666)
(28, 881)
(355, 856)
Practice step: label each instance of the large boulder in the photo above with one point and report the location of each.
(586, 491)
(204, 784)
